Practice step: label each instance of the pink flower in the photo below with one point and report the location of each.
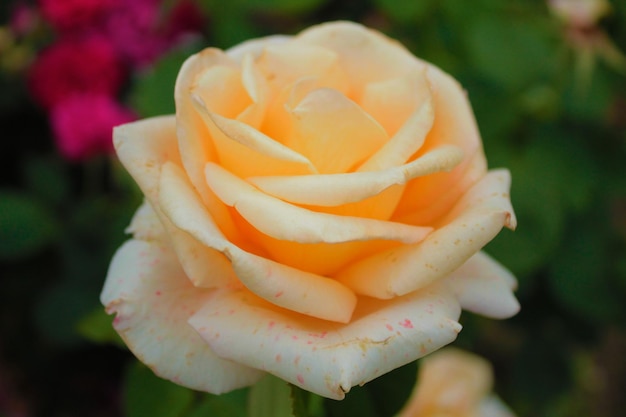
(83, 124)
(24, 19)
(141, 32)
(71, 66)
(71, 15)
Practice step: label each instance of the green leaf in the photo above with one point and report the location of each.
(358, 402)
(511, 51)
(152, 92)
(26, 226)
(288, 7)
(145, 395)
(270, 397)
(232, 404)
(97, 326)
(579, 275)
(47, 178)
(405, 11)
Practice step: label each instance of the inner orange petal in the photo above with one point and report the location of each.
(332, 131)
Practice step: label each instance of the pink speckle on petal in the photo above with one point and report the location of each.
(389, 327)
(278, 358)
(158, 293)
(406, 324)
(300, 378)
(278, 294)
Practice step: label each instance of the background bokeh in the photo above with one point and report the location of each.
(547, 81)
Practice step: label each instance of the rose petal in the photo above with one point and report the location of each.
(442, 203)
(485, 287)
(255, 47)
(281, 285)
(290, 288)
(246, 151)
(392, 101)
(145, 145)
(332, 131)
(195, 148)
(475, 220)
(450, 383)
(205, 267)
(454, 124)
(411, 135)
(287, 222)
(284, 63)
(153, 300)
(338, 189)
(366, 55)
(221, 90)
(325, 358)
(257, 89)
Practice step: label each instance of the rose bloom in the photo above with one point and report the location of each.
(315, 209)
(454, 383)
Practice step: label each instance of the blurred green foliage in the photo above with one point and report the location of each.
(561, 131)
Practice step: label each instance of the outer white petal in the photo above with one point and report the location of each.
(153, 299)
(143, 147)
(485, 287)
(474, 221)
(284, 221)
(328, 358)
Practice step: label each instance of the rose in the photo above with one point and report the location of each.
(456, 384)
(315, 210)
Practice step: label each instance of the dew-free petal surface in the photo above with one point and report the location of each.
(483, 286)
(338, 189)
(284, 221)
(474, 221)
(153, 299)
(328, 358)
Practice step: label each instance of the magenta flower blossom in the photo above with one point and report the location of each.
(83, 124)
(76, 15)
(75, 66)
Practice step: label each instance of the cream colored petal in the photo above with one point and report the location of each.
(221, 89)
(298, 291)
(144, 146)
(407, 140)
(246, 151)
(204, 266)
(183, 207)
(366, 55)
(287, 287)
(286, 62)
(450, 383)
(332, 131)
(474, 221)
(193, 137)
(329, 358)
(338, 189)
(454, 124)
(392, 101)
(255, 47)
(258, 90)
(433, 212)
(287, 222)
(483, 286)
(153, 299)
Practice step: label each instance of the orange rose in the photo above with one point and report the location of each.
(315, 209)
(454, 383)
